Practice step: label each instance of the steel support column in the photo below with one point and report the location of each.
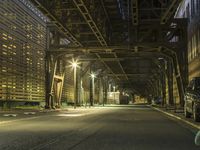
(47, 81)
(75, 87)
(179, 79)
(51, 71)
(91, 90)
(78, 86)
(170, 83)
(100, 94)
(105, 91)
(163, 77)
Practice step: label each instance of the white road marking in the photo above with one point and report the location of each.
(29, 113)
(9, 115)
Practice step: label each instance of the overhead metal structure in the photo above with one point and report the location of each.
(126, 36)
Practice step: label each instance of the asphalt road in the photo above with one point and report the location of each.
(110, 128)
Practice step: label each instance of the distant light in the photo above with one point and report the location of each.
(92, 75)
(160, 58)
(114, 88)
(74, 63)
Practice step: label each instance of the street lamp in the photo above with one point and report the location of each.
(92, 75)
(74, 65)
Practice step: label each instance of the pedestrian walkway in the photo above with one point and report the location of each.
(8, 116)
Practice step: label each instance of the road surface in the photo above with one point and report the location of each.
(132, 127)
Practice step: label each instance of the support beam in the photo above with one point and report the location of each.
(129, 75)
(169, 13)
(179, 80)
(47, 79)
(57, 22)
(80, 4)
(51, 74)
(106, 13)
(105, 91)
(170, 83)
(134, 12)
(83, 72)
(178, 75)
(117, 48)
(122, 69)
(99, 57)
(91, 89)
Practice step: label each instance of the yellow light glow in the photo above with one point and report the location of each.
(92, 75)
(4, 45)
(4, 34)
(74, 63)
(4, 38)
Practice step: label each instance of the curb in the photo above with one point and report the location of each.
(178, 118)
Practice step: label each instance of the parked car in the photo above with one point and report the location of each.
(157, 101)
(192, 99)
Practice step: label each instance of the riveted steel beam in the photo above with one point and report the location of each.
(121, 66)
(99, 57)
(57, 23)
(170, 11)
(80, 4)
(134, 12)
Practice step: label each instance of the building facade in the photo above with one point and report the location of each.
(22, 52)
(190, 9)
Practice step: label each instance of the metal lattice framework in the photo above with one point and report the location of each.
(126, 36)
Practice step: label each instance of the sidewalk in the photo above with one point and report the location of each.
(8, 116)
(178, 114)
(11, 115)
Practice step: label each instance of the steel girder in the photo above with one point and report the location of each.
(151, 32)
(169, 13)
(134, 12)
(60, 26)
(85, 12)
(87, 16)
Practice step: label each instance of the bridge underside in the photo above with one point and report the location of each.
(137, 44)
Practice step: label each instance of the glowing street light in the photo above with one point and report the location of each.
(74, 65)
(93, 75)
